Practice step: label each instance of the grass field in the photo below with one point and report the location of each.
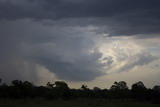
(72, 103)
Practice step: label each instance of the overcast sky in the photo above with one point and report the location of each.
(93, 42)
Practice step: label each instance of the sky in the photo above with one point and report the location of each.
(92, 42)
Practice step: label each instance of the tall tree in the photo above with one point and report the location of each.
(17, 83)
(28, 89)
(16, 91)
(62, 89)
(84, 87)
(61, 84)
(49, 85)
(156, 92)
(119, 90)
(122, 85)
(139, 90)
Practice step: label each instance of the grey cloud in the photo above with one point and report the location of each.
(68, 8)
(15, 67)
(108, 60)
(120, 17)
(139, 59)
(84, 68)
(122, 59)
(60, 35)
(70, 59)
(62, 50)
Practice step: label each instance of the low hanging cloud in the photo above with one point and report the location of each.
(113, 17)
(70, 52)
(64, 51)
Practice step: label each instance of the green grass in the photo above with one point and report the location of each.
(72, 103)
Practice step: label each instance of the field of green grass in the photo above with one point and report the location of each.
(72, 103)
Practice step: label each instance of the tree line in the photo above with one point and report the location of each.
(60, 90)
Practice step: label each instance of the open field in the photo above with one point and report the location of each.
(72, 103)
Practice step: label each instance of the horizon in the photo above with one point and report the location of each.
(129, 86)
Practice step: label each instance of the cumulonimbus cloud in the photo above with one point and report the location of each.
(63, 35)
(64, 51)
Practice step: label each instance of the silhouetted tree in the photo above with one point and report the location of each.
(96, 89)
(62, 89)
(122, 85)
(4, 90)
(51, 92)
(28, 89)
(156, 92)
(49, 85)
(119, 90)
(17, 83)
(86, 92)
(139, 90)
(84, 87)
(41, 91)
(105, 93)
(16, 91)
(61, 85)
(156, 88)
(97, 92)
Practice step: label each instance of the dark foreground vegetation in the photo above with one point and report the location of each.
(73, 103)
(59, 94)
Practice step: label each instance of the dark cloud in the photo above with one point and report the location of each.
(122, 17)
(61, 35)
(84, 69)
(62, 50)
(68, 8)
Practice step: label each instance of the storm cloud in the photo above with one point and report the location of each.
(62, 50)
(120, 17)
(58, 9)
(76, 40)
